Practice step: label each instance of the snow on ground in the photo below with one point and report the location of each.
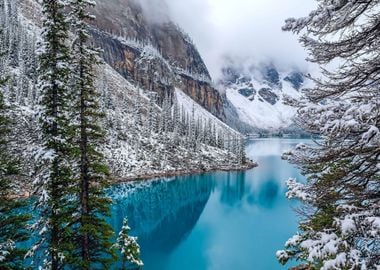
(261, 114)
(133, 150)
(199, 112)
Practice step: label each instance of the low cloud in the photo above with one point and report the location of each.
(155, 11)
(244, 29)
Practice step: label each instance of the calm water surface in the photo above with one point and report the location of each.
(215, 221)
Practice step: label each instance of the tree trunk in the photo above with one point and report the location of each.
(55, 228)
(84, 167)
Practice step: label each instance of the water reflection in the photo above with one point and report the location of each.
(162, 213)
(233, 188)
(223, 220)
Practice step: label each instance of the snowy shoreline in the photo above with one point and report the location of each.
(136, 178)
(26, 194)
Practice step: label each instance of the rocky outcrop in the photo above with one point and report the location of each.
(297, 79)
(155, 55)
(128, 61)
(204, 94)
(247, 92)
(270, 75)
(268, 96)
(256, 93)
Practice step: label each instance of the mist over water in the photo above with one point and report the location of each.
(215, 221)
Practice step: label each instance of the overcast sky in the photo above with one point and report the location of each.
(242, 28)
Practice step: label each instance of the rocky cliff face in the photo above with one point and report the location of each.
(153, 54)
(137, 144)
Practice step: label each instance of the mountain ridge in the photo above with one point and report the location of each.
(256, 93)
(144, 135)
(158, 57)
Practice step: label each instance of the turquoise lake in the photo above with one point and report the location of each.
(214, 221)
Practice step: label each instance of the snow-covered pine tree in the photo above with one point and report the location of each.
(152, 116)
(176, 123)
(176, 115)
(161, 125)
(192, 130)
(242, 155)
(183, 121)
(213, 135)
(129, 248)
(208, 131)
(220, 139)
(228, 146)
(27, 67)
(198, 127)
(4, 36)
(94, 247)
(14, 34)
(138, 113)
(55, 185)
(236, 148)
(201, 132)
(169, 116)
(163, 121)
(12, 88)
(166, 114)
(106, 94)
(12, 222)
(341, 229)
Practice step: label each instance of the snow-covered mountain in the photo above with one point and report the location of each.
(163, 116)
(255, 96)
(156, 55)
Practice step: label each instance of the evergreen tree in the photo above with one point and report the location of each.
(152, 116)
(176, 116)
(341, 229)
(183, 120)
(208, 132)
(240, 150)
(176, 123)
(201, 133)
(192, 130)
(236, 147)
(229, 146)
(161, 122)
(14, 34)
(55, 185)
(12, 222)
(138, 117)
(213, 135)
(220, 139)
(129, 248)
(166, 121)
(94, 247)
(169, 124)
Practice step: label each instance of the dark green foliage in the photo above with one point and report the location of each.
(94, 248)
(342, 107)
(56, 184)
(13, 224)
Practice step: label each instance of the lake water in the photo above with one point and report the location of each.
(214, 221)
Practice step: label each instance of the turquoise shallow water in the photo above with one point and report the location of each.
(214, 221)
